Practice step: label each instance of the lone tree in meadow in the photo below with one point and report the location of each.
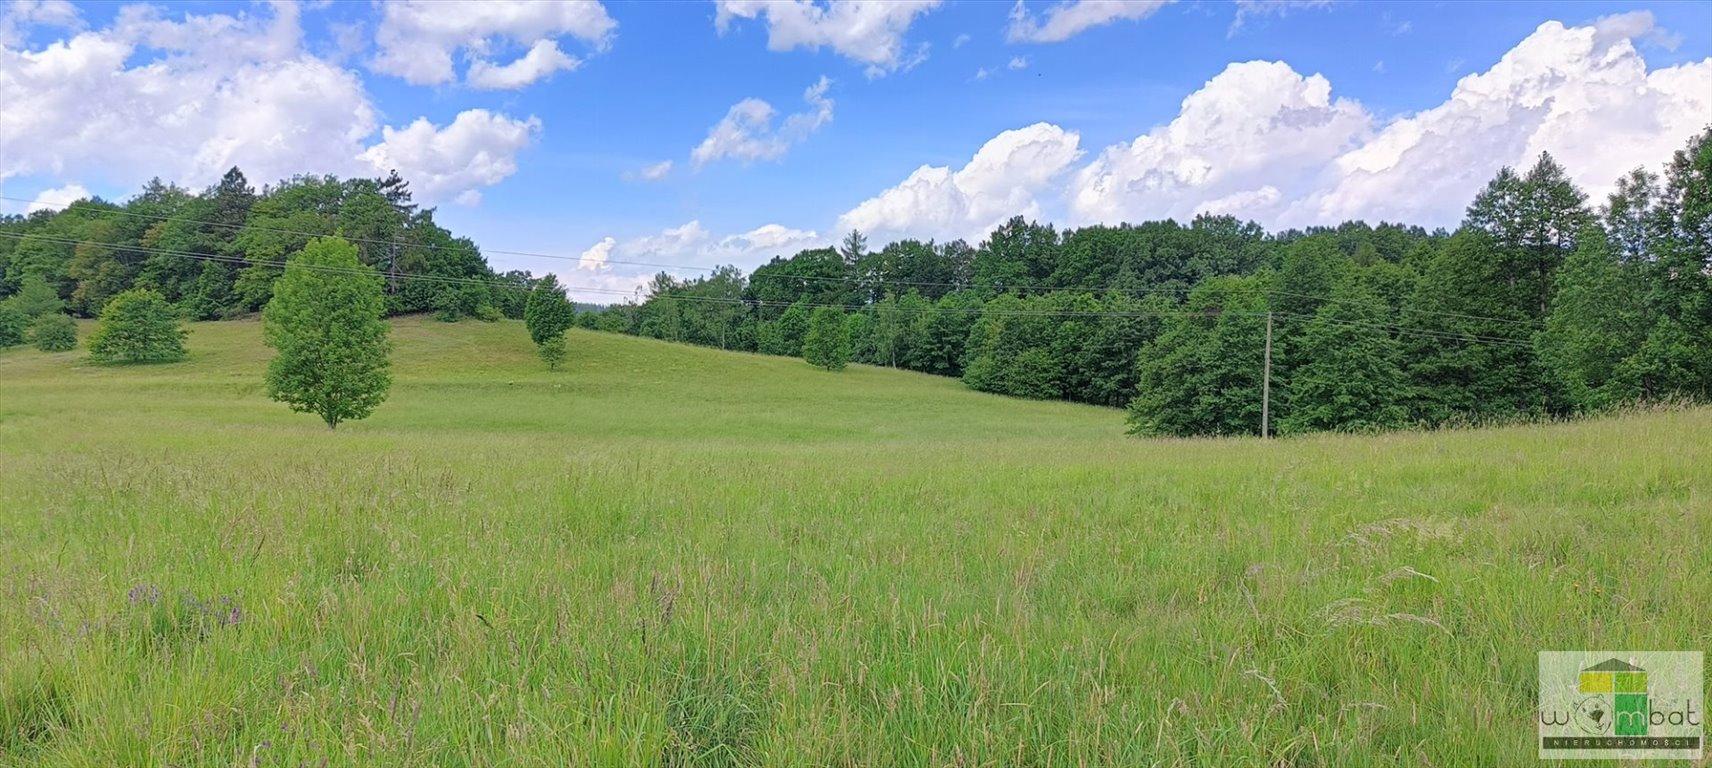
(325, 320)
(54, 332)
(827, 343)
(137, 326)
(547, 315)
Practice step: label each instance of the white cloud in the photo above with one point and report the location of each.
(595, 257)
(1257, 125)
(55, 199)
(656, 171)
(982, 73)
(746, 132)
(20, 15)
(1068, 19)
(544, 58)
(1582, 93)
(417, 38)
(605, 274)
(1018, 62)
(961, 40)
(999, 182)
(479, 148)
(1247, 9)
(186, 98)
(868, 31)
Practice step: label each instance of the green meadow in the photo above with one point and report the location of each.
(667, 555)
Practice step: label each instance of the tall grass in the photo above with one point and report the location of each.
(674, 556)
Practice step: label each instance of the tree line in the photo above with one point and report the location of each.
(1538, 304)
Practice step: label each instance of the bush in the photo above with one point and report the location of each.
(12, 324)
(137, 326)
(552, 352)
(54, 333)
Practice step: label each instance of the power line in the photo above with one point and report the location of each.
(752, 276)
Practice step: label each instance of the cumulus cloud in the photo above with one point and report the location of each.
(747, 133)
(543, 59)
(1018, 62)
(595, 257)
(55, 199)
(871, 33)
(1000, 181)
(479, 148)
(188, 97)
(20, 15)
(1068, 19)
(1582, 93)
(1257, 124)
(416, 39)
(1262, 141)
(690, 245)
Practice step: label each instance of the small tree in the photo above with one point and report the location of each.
(547, 315)
(54, 333)
(12, 325)
(552, 352)
(36, 298)
(325, 319)
(827, 343)
(137, 326)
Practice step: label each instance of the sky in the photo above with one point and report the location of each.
(730, 131)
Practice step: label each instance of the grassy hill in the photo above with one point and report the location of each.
(666, 555)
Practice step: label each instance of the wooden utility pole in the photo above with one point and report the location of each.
(1266, 384)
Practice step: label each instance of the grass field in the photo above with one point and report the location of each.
(667, 555)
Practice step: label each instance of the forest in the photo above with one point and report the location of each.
(1541, 304)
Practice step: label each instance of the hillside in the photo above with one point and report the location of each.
(669, 555)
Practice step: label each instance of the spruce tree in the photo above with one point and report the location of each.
(137, 326)
(325, 320)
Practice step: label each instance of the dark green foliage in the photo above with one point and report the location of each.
(1595, 324)
(783, 336)
(1348, 374)
(12, 326)
(54, 333)
(137, 326)
(1202, 376)
(325, 321)
(456, 302)
(826, 344)
(1469, 346)
(549, 313)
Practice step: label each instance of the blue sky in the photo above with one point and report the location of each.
(1082, 114)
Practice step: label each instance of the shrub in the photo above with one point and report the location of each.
(54, 333)
(137, 326)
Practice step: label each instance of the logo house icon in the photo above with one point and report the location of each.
(1622, 684)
